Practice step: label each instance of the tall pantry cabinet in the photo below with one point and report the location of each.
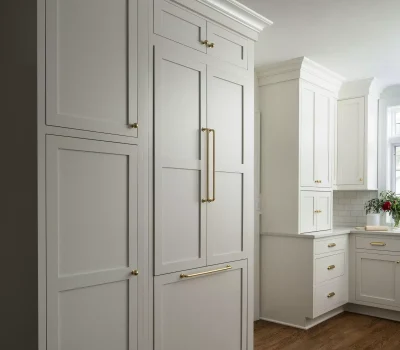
(135, 202)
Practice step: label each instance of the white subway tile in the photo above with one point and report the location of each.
(356, 213)
(345, 200)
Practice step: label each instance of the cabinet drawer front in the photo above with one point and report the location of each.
(227, 46)
(177, 24)
(330, 296)
(199, 312)
(329, 267)
(331, 245)
(378, 243)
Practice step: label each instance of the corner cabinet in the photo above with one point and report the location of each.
(297, 111)
(356, 143)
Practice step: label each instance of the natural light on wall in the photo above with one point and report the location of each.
(394, 115)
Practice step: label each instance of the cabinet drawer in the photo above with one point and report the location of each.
(199, 304)
(331, 245)
(177, 24)
(329, 267)
(330, 296)
(227, 46)
(378, 243)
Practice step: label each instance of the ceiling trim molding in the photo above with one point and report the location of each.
(300, 68)
(358, 88)
(239, 13)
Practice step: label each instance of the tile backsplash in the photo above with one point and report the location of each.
(348, 207)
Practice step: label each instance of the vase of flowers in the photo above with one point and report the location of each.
(388, 202)
(373, 210)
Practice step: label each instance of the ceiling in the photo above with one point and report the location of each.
(355, 38)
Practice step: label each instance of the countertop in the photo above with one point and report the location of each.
(336, 231)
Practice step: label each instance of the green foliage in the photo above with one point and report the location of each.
(373, 206)
(376, 205)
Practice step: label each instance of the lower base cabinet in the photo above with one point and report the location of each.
(202, 309)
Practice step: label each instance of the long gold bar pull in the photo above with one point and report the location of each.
(213, 197)
(378, 244)
(208, 152)
(228, 267)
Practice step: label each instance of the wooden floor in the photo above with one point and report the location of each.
(345, 331)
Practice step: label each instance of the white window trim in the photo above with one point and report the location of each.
(392, 111)
(393, 165)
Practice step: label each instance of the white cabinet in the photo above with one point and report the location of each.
(182, 26)
(316, 137)
(297, 110)
(315, 211)
(378, 279)
(93, 64)
(356, 160)
(202, 309)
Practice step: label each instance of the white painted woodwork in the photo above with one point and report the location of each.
(378, 243)
(350, 142)
(308, 216)
(323, 303)
(295, 281)
(228, 99)
(356, 146)
(332, 245)
(336, 262)
(180, 159)
(175, 23)
(228, 46)
(324, 206)
(377, 279)
(92, 237)
(92, 65)
(297, 102)
(203, 312)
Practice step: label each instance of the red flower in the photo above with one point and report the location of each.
(386, 206)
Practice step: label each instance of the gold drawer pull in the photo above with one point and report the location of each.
(203, 42)
(331, 245)
(331, 267)
(135, 272)
(378, 244)
(228, 267)
(211, 45)
(330, 295)
(133, 126)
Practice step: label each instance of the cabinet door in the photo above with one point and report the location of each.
(323, 137)
(226, 45)
(350, 142)
(179, 158)
(308, 207)
(324, 211)
(230, 219)
(173, 22)
(92, 64)
(92, 223)
(378, 279)
(207, 311)
(307, 167)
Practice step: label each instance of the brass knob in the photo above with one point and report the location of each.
(361, 178)
(331, 267)
(204, 42)
(330, 295)
(210, 45)
(397, 262)
(135, 272)
(133, 126)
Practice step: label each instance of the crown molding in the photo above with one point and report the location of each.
(300, 68)
(238, 12)
(358, 88)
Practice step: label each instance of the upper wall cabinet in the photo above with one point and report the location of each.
(182, 26)
(297, 102)
(93, 65)
(356, 161)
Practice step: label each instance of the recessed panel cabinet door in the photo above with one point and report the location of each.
(230, 213)
(92, 237)
(92, 64)
(202, 309)
(350, 142)
(324, 208)
(308, 207)
(378, 279)
(179, 158)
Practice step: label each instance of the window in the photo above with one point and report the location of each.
(396, 169)
(395, 114)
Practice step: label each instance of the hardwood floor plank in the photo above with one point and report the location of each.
(345, 331)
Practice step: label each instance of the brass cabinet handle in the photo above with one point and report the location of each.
(210, 200)
(213, 197)
(210, 45)
(208, 149)
(361, 178)
(378, 244)
(204, 42)
(331, 245)
(133, 126)
(331, 267)
(318, 211)
(318, 181)
(135, 272)
(228, 267)
(330, 295)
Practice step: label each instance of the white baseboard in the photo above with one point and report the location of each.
(309, 323)
(373, 311)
